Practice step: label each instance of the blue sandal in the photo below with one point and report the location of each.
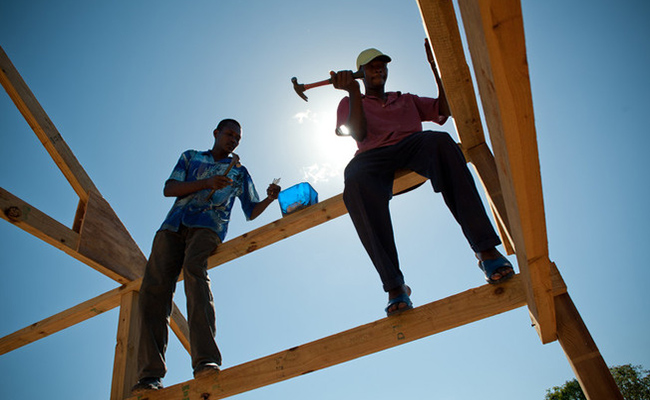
(496, 265)
(402, 298)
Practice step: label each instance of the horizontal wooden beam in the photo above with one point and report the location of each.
(45, 130)
(438, 316)
(297, 222)
(62, 320)
(495, 36)
(44, 227)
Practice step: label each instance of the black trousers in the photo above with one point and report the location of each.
(368, 189)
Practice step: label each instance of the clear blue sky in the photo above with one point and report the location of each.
(131, 84)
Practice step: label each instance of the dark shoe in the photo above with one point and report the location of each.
(145, 384)
(499, 266)
(401, 299)
(205, 369)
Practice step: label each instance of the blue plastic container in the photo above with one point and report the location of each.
(297, 197)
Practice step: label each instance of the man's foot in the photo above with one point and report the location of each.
(398, 300)
(145, 384)
(206, 369)
(496, 267)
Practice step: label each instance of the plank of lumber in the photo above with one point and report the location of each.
(62, 320)
(297, 222)
(44, 227)
(441, 26)
(438, 316)
(440, 23)
(495, 36)
(45, 130)
(485, 165)
(179, 325)
(125, 365)
(104, 239)
(588, 365)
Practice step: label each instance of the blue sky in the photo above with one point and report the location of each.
(130, 85)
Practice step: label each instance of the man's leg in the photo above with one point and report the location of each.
(436, 156)
(201, 243)
(368, 189)
(155, 302)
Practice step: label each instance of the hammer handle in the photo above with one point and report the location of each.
(235, 160)
(317, 84)
(356, 75)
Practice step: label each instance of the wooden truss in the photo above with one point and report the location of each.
(510, 176)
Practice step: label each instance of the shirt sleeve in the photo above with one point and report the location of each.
(179, 173)
(429, 109)
(249, 197)
(343, 112)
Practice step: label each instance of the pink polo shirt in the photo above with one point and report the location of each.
(389, 123)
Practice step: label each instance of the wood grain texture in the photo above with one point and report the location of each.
(44, 128)
(495, 36)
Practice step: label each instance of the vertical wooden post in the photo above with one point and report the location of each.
(591, 371)
(126, 350)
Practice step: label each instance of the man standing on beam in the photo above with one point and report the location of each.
(205, 184)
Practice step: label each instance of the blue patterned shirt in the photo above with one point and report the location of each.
(196, 210)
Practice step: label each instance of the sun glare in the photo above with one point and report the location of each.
(331, 153)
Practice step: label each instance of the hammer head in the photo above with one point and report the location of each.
(299, 88)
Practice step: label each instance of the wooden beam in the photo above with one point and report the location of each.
(62, 320)
(496, 41)
(438, 316)
(297, 222)
(45, 130)
(440, 23)
(179, 325)
(86, 310)
(44, 227)
(125, 366)
(105, 240)
(481, 157)
(588, 365)
(441, 26)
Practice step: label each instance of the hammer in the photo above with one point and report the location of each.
(235, 161)
(301, 87)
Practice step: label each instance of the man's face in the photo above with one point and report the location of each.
(228, 137)
(375, 73)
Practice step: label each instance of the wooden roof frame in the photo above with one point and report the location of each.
(510, 176)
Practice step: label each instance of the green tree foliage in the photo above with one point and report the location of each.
(633, 381)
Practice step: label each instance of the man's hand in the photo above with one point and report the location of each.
(271, 194)
(218, 182)
(273, 191)
(343, 80)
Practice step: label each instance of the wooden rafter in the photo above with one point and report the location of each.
(495, 35)
(47, 133)
(429, 319)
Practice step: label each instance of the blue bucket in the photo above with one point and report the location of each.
(297, 197)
